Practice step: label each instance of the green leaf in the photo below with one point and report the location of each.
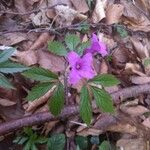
(104, 146)
(82, 47)
(103, 100)
(121, 30)
(56, 101)
(85, 106)
(39, 90)
(6, 54)
(10, 67)
(57, 48)
(22, 140)
(82, 142)
(40, 74)
(41, 140)
(5, 83)
(72, 41)
(34, 147)
(105, 80)
(146, 62)
(56, 142)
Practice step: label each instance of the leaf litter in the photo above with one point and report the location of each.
(122, 25)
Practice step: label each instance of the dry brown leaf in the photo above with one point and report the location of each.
(54, 2)
(65, 15)
(134, 110)
(12, 38)
(42, 40)
(103, 67)
(141, 49)
(50, 61)
(134, 18)
(49, 126)
(123, 128)
(120, 57)
(114, 13)
(89, 131)
(134, 68)
(132, 144)
(146, 122)
(27, 58)
(80, 5)
(6, 102)
(33, 105)
(139, 80)
(99, 12)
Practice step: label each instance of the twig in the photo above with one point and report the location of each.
(129, 92)
(69, 110)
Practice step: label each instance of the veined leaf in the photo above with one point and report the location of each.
(104, 146)
(56, 101)
(40, 74)
(10, 67)
(82, 47)
(56, 142)
(6, 54)
(57, 48)
(72, 41)
(105, 80)
(85, 106)
(39, 90)
(5, 83)
(103, 100)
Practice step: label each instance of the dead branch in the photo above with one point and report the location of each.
(68, 111)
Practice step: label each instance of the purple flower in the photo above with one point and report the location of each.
(81, 67)
(97, 46)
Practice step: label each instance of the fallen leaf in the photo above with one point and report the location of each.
(27, 58)
(132, 144)
(134, 110)
(123, 128)
(12, 38)
(134, 18)
(50, 61)
(141, 49)
(41, 41)
(134, 68)
(114, 13)
(80, 5)
(33, 105)
(146, 122)
(139, 80)
(99, 12)
(6, 102)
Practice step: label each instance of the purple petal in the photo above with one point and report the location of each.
(94, 38)
(73, 58)
(74, 77)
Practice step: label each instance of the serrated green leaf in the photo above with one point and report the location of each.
(40, 74)
(105, 80)
(103, 100)
(41, 140)
(39, 90)
(72, 41)
(5, 55)
(122, 32)
(5, 83)
(57, 48)
(56, 142)
(85, 106)
(104, 146)
(10, 67)
(22, 140)
(56, 101)
(82, 142)
(82, 47)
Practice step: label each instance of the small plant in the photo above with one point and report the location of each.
(80, 59)
(8, 67)
(30, 139)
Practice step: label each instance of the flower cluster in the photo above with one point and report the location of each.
(82, 67)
